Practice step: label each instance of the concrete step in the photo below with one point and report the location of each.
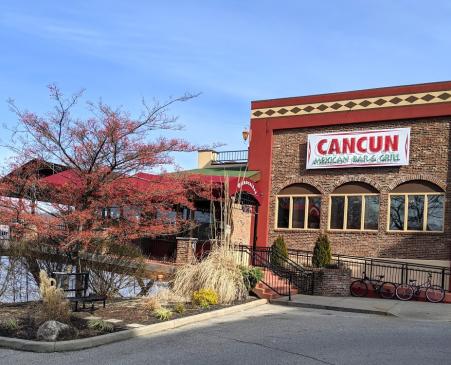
(262, 291)
(280, 288)
(264, 294)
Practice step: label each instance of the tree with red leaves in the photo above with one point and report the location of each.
(99, 194)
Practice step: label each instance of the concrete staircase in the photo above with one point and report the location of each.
(264, 292)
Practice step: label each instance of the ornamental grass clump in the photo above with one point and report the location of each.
(100, 325)
(151, 304)
(167, 296)
(54, 306)
(218, 272)
(10, 324)
(180, 308)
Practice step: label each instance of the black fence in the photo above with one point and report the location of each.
(395, 271)
(284, 268)
(274, 277)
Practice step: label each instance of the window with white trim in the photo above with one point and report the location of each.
(354, 212)
(298, 212)
(416, 206)
(298, 207)
(354, 206)
(417, 212)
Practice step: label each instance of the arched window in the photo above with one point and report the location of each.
(354, 206)
(417, 206)
(298, 206)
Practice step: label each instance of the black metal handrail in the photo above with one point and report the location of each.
(281, 266)
(260, 259)
(302, 278)
(239, 156)
(398, 272)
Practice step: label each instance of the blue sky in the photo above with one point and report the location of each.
(231, 51)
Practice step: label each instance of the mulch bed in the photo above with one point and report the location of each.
(127, 311)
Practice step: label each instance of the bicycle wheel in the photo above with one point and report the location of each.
(387, 290)
(435, 294)
(404, 292)
(358, 288)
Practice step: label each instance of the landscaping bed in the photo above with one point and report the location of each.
(122, 313)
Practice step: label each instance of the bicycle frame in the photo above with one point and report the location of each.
(375, 283)
(417, 287)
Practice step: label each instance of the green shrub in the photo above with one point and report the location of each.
(251, 276)
(179, 308)
(279, 251)
(163, 314)
(100, 325)
(205, 297)
(322, 254)
(10, 324)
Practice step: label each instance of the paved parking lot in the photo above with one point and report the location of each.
(272, 334)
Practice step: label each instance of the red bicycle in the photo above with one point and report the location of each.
(385, 289)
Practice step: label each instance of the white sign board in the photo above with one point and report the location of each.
(4, 232)
(388, 147)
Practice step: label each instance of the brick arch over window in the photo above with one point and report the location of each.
(299, 180)
(353, 179)
(410, 178)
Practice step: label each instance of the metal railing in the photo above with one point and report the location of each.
(281, 266)
(224, 157)
(398, 272)
(274, 277)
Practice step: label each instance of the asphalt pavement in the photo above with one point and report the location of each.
(272, 334)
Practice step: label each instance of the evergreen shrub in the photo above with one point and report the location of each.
(322, 254)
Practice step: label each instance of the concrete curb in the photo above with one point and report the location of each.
(85, 343)
(333, 308)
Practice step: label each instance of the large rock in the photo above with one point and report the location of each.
(56, 331)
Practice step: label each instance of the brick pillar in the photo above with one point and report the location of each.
(331, 282)
(185, 250)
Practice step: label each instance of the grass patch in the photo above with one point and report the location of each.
(100, 325)
(163, 314)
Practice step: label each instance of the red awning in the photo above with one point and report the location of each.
(236, 184)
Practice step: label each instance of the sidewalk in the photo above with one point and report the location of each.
(388, 307)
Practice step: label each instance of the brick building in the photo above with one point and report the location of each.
(370, 168)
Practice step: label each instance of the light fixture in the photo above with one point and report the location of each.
(245, 134)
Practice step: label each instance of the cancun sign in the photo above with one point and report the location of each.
(388, 147)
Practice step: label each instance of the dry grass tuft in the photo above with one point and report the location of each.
(167, 296)
(218, 272)
(151, 304)
(54, 306)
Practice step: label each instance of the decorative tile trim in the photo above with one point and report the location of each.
(432, 97)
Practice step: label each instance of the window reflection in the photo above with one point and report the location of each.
(435, 213)
(298, 215)
(337, 212)
(415, 212)
(371, 212)
(283, 212)
(314, 212)
(354, 217)
(397, 212)
(417, 205)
